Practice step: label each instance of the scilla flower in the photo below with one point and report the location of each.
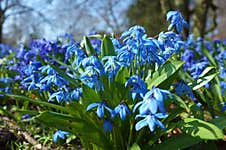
(150, 120)
(59, 135)
(100, 108)
(138, 86)
(122, 110)
(176, 20)
(152, 100)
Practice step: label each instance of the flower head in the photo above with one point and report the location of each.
(150, 120)
(59, 135)
(138, 86)
(100, 108)
(176, 20)
(183, 88)
(152, 101)
(122, 110)
(111, 66)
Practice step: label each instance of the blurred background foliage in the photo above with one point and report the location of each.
(22, 20)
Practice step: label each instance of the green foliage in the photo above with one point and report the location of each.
(201, 129)
(163, 73)
(107, 48)
(180, 141)
(88, 130)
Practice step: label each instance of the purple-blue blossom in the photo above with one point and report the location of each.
(101, 106)
(150, 120)
(59, 134)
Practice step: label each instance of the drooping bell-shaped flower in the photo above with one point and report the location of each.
(150, 120)
(122, 110)
(100, 108)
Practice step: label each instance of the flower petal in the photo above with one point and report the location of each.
(140, 124)
(91, 106)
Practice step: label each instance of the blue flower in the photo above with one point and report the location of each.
(26, 116)
(126, 55)
(91, 81)
(150, 120)
(136, 47)
(47, 69)
(172, 43)
(59, 96)
(138, 86)
(177, 20)
(75, 49)
(152, 100)
(21, 52)
(76, 93)
(197, 68)
(134, 32)
(100, 108)
(59, 135)
(116, 43)
(223, 87)
(91, 61)
(6, 90)
(122, 110)
(183, 88)
(5, 50)
(6, 80)
(224, 107)
(32, 67)
(92, 66)
(31, 81)
(54, 79)
(93, 71)
(148, 105)
(111, 66)
(107, 126)
(189, 57)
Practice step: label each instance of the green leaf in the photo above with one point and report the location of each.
(206, 70)
(216, 90)
(219, 122)
(180, 141)
(88, 46)
(89, 96)
(86, 130)
(107, 47)
(122, 75)
(30, 112)
(135, 146)
(163, 73)
(209, 56)
(202, 129)
(37, 101)
(202, 81)
(180, 102)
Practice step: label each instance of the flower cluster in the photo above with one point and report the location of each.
(63, 69)
(148, 108)
(196, 63)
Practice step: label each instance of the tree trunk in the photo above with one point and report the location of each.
(1, 32)
(2, 19)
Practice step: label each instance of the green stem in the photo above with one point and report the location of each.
(130, 134)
